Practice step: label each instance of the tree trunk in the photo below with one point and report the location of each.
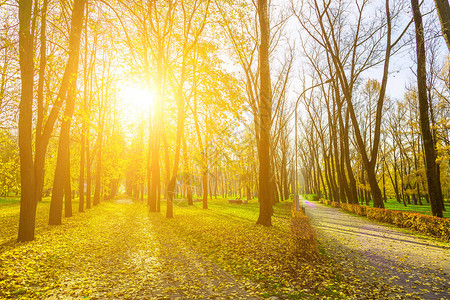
(353, 194)
(443, 9)
(68, 191)
(88, 175)
(27, 195)
(82, 165)
(62, 163)
(154, 189)
(40, 92)
(430, 151)
(180, 132)
(81, 189)
(205, 183)
(98, 174)
(71, 68)
(265, 104)
(187, 173)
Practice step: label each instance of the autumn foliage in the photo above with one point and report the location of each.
(304, 242)
(325, 201)
(438, 227)
(430, 225)
(336, 204)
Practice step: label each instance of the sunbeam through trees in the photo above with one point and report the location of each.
(247, 115)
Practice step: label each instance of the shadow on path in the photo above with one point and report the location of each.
(392, 263)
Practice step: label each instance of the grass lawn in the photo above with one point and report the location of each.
(260, 257)
(425, 209)
(9, 200)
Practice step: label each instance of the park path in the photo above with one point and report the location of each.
(389, 262)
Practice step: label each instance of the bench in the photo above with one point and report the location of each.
(235, 201)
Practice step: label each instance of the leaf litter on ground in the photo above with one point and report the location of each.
(118, 250)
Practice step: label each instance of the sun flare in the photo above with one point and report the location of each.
(136, 98)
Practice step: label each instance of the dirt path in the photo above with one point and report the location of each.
(389, 262)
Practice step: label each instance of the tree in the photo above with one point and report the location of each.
(265, 119)
(27, 196)
(430, 151)
(63, 162)
(190, 37)
(443, 9)
(81, 183)
(355, 43)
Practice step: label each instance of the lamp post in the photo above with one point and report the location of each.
(296, 196)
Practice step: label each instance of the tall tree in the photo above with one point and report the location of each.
(191, 34)
(81, 183)
(265, 120)
(428, 145)
(443, 9)
(27, 199)
(63, 163)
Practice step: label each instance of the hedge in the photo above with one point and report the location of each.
(329, 202)
(304, 242)
(335, 204)
(356, 209)
(437, 227)
(325, 201)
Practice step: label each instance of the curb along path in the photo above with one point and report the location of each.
(382, 260)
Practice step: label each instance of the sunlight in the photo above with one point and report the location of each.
(135, 98)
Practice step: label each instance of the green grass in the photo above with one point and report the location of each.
(9, 200)
(392, 204)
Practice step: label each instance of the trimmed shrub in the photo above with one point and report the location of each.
(437, 227)
(304, 242)
(335, 204)
(354, 208)
(360, 209)
(345, 206)
(380, 214)
(327, 202)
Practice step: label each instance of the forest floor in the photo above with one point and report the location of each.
(112, 251)
(118, 250)
(411, 266)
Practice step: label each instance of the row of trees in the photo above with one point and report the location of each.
(357, 139)
(72, 135)
(221, 75)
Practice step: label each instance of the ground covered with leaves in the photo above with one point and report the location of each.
(9, 216)
(118, 250)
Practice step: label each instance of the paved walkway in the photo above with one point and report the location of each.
(389, 262)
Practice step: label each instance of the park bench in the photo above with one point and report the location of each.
(235, 201)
